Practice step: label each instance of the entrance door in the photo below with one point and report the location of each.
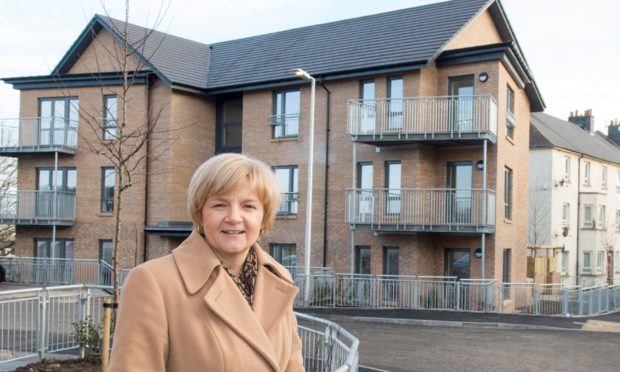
(459, 194)
(610, 268)
(461, 89)
(457, 262)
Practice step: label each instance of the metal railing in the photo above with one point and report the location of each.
(284, 125)
(37, 321)
(326, 346)
(36, 207)
(40, 133)
(452, 115)
(449, 293)
(288, 205)
(421, 207)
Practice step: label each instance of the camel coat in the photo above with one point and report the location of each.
(183, 312)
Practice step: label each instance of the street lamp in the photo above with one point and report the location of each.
(308, 230)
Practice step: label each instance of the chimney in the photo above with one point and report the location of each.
(585, 121)
(613, 132)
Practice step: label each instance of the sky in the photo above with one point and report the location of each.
(572, 46)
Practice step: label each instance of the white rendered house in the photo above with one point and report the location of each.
(574, 198)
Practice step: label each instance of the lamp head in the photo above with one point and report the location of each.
(302, 74)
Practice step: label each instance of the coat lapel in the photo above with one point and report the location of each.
(225, 300)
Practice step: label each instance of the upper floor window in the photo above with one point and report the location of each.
(368, 109)
(106, 251)
(604, 178)
(507, 193)
(617, 219)
(586, 173)
(565, 214)
(108, 175)
(58, 121)
(110, 110)
(602, 223)
(392, 184)
(618, 180)
(588, 221)
(587, 262)
(395, 103)
(285, 119)
(567, 168)
(287, 177)
(511, 121)
(228, 129)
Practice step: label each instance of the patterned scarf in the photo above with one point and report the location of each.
(247, 276)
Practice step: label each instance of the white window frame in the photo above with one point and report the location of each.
(588, 222)
(618, 180)
(587, 269)
(604, 178)
(600, 261)
(567, 168)
(617, 261)
(565, 258)
(617, 219)
(565, 214)
(601, 222)
(586, 173)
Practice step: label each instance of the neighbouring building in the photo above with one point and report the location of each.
(574, 197)
(421, 136)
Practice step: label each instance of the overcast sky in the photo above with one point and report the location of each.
(572, 46)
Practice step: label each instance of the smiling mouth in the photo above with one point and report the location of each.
(233, 232)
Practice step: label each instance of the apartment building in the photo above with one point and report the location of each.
(574, 193)
(421, 131)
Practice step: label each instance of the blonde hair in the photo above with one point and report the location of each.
(225, 173)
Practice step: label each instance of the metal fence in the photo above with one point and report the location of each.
(421, 207)
(38, 133)
(451, 115)
(38, 321)
(38, 206)
(449, 293)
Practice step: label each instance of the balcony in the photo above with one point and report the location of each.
(288, 205)
(37, 135)
(449, 120)
(422, 210)
(284, 126)
(38, 208)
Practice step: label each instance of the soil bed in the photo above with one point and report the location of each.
(91, 363)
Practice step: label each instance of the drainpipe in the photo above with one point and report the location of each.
(484, 203)
(55, 203)
(578, 213)
(352, 210)
(326, 204)
(146, 168)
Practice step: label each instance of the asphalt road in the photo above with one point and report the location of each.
(397, 347)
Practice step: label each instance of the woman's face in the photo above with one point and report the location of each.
(232, 222)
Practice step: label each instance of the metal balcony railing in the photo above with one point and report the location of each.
(26, 207)
(36, 135)
(288, 205)
(423, 119)
(284, 125)
(441, 210)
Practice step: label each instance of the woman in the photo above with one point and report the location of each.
(218, 302)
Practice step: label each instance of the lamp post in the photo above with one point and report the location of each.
(308, 229)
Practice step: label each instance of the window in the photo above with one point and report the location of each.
(600, 259)
(229, 120)
(587, 268)
(108, 178)
(602, 223)
(106, 251)
(390, 260)
(362, 259)
(369, 106)
(587, 216)
(566, 168)
(617, 219)
(110, 108)
(395, 102)
(506, 271)
(285, 254)
(392, 184)
(287, 177)
(586, 174)
(365, 193)
(565, 214)
(58, 201)
(63, 248)
(565, 262)
(604, 179)
(508, 193)
(58, 121)
(286, 109)
(618, 180)
(511, 121)
(617, 261)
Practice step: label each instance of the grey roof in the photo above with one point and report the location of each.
(548, 131)
(394, 38)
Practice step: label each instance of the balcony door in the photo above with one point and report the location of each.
(395, 104)
(58, 123)
(365, 192)
(369, 107)
(459, 193)
(392, 185)
(46, 200)
(461, 90)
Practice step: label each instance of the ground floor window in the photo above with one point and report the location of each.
(106, 251)
(600, 259)
(285, 254)
(62, 248)
(362, 259)
(565, 262)
(457, 262)
(587, 268)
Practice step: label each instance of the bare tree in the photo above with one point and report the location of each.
(539, 217)
(8, 185)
